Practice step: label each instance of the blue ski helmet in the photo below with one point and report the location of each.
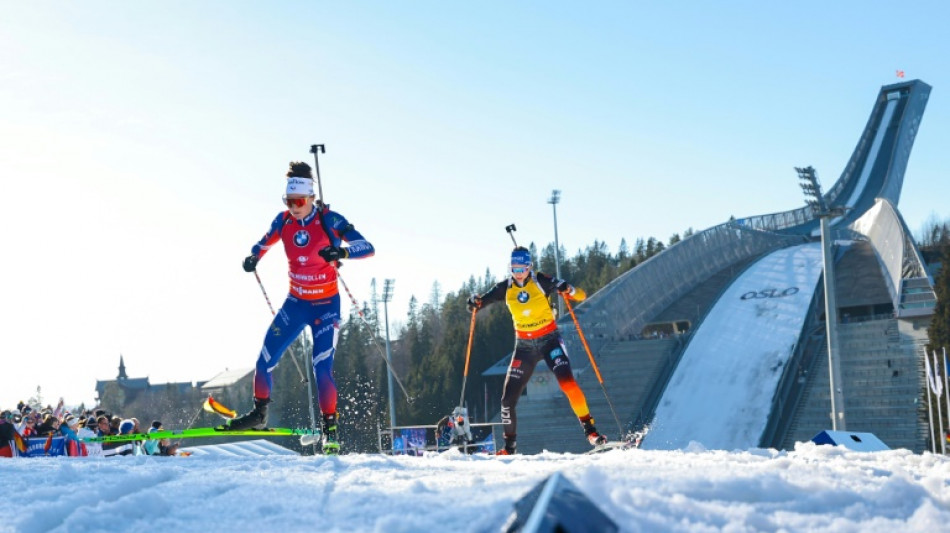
(520, 258)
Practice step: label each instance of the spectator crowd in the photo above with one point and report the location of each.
(28, 427)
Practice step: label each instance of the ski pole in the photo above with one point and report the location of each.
(375, 342)
(468, 354)
(193, 420)
(580, 333)
(261, 285)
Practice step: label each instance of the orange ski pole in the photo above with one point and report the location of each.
(468, 355)
(580, 333)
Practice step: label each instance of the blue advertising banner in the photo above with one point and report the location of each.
(416, 440)
(36, 447)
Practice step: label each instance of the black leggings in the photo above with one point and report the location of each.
(528, 352)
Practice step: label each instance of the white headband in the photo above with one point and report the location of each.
(300, 186)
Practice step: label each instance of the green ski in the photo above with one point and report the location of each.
(195, 433)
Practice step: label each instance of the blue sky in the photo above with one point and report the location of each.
(144, 146)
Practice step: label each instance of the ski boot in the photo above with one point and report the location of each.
(594, 438)
(511, 446)
(331, 442)
(255, 419)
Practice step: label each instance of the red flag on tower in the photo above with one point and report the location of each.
(900, 73)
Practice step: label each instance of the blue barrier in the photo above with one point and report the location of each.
(36, 447)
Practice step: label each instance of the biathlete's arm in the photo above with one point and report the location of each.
(549, 285)
(271, 237)
(357, 245)
(495, 294)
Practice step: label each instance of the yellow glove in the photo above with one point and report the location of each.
(572, 292)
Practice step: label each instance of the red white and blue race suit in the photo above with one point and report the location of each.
(314, 299)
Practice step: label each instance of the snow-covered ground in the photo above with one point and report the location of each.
(814, 488)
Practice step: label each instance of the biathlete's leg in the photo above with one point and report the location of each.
(287, 324)
(283, 330)
(559, 363)
(326, 331)
(522, 365)
(555, 355)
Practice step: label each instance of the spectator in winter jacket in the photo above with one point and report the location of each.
(19, 421)
(29, 426)
(165, 447)
(74, 446)
(88, 430)
(7, 437)
(159, 446)
(103, 426)
(121, 448)
(50, 424)
(151, 445)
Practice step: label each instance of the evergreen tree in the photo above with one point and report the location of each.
(546, 261)
(435, 298)
(939, 330)
(651, 248)
(412, 315)
(623, 253)
(36, 402)
(640, 248)
(935, 232)
(419, 341)
(374, 299)
(487, 281)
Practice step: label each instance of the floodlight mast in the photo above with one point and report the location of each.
(815, 200)
(554, 200)
(387, 297)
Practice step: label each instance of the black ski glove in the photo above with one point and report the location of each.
(563, 286)
(250, 263)
(473, 303)
(333, 253)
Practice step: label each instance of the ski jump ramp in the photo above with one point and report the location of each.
(721, 392)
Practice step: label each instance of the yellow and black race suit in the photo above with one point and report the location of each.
(537, 338)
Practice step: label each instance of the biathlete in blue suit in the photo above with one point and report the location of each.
(313, 238)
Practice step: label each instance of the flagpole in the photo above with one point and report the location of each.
(936, 382)
(930, 417)
(943, 438)
(930, 412)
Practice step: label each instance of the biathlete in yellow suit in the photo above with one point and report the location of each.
(536, 338)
